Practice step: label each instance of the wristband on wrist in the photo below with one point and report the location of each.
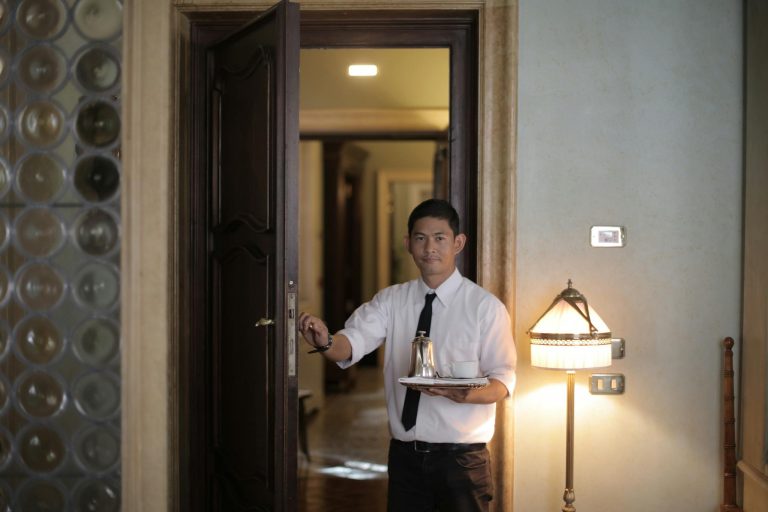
(324, 347)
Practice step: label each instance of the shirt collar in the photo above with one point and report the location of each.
(446, 291)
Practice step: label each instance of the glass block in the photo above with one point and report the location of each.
(97, 178)
(37, 340)
(39, 232)
(6, 448)
(42, 68)
(5, 339)
(97, 286)
(5, 177)
(96, 341)
(5, 22)
(97, 448)
(40, 394)
(41, 19)
(41, 447)
(40, 287)
(97, 395)
(5, 123)
(42, 495)
(4, 395)
(40, 177)
(96, 496)
(97, 69)
(60, 80)
(5, 67)
(41, 124)
(5, 285)
(6, 497)
(98, 19)
(95, 232)
(97, 124)
(4, 231)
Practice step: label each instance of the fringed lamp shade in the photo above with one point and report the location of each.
(570, 335)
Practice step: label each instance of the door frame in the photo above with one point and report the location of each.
(156, 221)
(455, 29)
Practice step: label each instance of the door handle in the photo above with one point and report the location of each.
(263, 322)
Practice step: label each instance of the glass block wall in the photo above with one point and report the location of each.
(60, 67)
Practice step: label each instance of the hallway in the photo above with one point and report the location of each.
(348, 441)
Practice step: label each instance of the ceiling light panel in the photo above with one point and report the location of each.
(363, 70)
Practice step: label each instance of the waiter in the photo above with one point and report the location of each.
(438, 458)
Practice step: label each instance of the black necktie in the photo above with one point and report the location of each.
(411, 405)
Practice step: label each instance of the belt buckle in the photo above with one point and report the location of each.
(421, 447)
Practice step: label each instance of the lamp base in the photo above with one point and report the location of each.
(569, 497)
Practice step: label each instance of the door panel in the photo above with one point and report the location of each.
(243, 425)
(247, 76)
(253, 91)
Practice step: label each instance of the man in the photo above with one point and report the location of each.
(437, 457)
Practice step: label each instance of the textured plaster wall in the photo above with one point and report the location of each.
(630, 113)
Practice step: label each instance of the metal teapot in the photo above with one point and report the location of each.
(422, 360)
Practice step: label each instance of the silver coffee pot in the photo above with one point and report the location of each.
(422, 360)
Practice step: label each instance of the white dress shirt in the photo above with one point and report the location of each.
(468, 323)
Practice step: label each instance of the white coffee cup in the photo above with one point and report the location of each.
(464, 369)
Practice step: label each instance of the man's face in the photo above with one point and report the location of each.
(434, 247)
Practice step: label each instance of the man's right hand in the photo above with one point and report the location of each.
(316, 334)
(313, 329)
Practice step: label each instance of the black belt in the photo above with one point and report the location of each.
(424, 447)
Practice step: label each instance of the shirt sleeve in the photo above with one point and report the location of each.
(366, 328)
(498, 355)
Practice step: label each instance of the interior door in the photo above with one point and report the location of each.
(253, 115)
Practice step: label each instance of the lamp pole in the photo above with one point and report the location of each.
(569, 496)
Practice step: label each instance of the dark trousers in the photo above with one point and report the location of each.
(444, 481)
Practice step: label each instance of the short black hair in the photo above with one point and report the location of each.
(437, 208)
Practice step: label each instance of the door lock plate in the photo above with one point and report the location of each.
(291, 331)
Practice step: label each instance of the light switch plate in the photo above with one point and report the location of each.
(607, 236)
(606, 384)
(618, 348)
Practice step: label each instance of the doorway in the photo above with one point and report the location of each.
(452, 29)
(371, 149)
(349, 405)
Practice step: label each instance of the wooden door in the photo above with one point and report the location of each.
(253, 115)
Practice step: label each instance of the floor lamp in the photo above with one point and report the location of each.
(570, 336)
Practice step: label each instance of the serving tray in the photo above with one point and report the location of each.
(425, 383)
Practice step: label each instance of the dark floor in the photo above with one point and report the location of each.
(348, 442)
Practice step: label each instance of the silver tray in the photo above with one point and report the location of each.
(420, 383)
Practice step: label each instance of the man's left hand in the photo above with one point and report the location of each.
(489, 394)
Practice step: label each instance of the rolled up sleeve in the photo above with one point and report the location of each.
(366, 328)
(498, 355)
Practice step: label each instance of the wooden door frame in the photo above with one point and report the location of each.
(456, 30)
(157, 224)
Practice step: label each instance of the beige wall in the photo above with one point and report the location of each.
(755, 342)
(630, 113)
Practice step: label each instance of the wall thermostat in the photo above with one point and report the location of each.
(607, 236)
